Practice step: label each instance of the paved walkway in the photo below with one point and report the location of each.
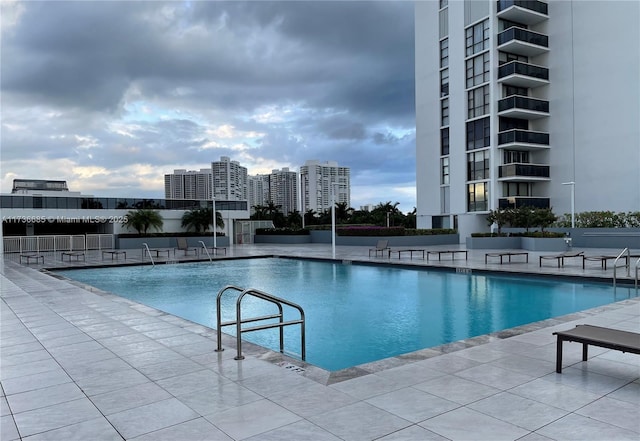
(87, 365)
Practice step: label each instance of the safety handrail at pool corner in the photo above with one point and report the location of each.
(238, 322)
(206, 250)
(144, 245)
(627, 265)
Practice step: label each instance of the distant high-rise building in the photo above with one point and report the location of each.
(318, 180)
(283, 190)
(525, 103)
(258, 191)
(183, 184)
(230, 180)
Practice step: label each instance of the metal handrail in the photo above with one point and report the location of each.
(627, 265)
(206, 250)
(144, 245)
(637, 271)
(239, 321)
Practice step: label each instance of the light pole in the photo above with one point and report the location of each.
(573, 202)
(333, 220)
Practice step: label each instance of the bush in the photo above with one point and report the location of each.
(601, 219)
(370, 231)
(180, 234)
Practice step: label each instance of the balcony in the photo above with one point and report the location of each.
(517, 73)
(523, 107)
(522, 42)
(523, 140)
(523, 201)
(523, 172)
(528, 12)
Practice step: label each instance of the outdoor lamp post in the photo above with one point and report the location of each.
(573, 202)
(333, 220)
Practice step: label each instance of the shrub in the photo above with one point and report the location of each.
(282, 231)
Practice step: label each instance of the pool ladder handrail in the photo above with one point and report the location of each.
(627, 265)
(637, 271)
(144, 245)
(239, 321)
(206, 250)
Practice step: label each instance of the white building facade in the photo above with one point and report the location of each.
(525, 103)
(283, 190)
(319, 180)
(183, 184)
(230, 181)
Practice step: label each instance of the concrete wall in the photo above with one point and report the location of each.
(168, 242)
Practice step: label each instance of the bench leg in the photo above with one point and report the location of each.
(559, 356)
(584, 351)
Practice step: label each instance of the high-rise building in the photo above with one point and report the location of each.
(319, 180)
(283, 190)
(230, 181)
(258, 191)
(183, 184)
(525, 103)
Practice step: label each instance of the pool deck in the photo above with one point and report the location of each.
(82, 364)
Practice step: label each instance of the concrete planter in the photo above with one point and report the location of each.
(285, 239)
(168, 242)
(544, 244)
(492, 243)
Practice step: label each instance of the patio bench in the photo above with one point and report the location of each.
(70, 254)
(452, 252)
(29, 257)
(509, 254)
(624, 341)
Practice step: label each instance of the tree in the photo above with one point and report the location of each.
(500, 218)
(310, 217)
(543, 218)
(294, 219)
(143, 219)
(200, 219)
(343, 212)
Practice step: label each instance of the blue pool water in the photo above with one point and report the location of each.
(354, 313)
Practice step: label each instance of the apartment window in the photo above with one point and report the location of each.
(515, 156)
(478, 134)
(444, 82)
(478, 165)
(506, 57)
(478, 197)
(477, 38)
(514, 90)
(516, 189)
(444, 141)
(444, 106)
(513, 123)
(477, 70)
(444, 52)
(478, 102)
(444, 170)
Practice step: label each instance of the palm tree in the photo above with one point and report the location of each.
(201, 219)
(294, 219)
(310, 217)
(143, 219)
(343, 212)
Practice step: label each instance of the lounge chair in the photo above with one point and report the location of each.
(560, 257)
(183, 246)
(618, 340)
(381, 247)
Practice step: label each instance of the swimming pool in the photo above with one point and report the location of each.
(355, 313)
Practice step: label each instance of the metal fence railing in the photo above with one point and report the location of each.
(76, 242)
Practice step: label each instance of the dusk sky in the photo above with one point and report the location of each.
(110, 95)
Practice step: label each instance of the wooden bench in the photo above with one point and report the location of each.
(601, 259)
(560, 257)
(501, 255)
(452, 252)
(624, 341)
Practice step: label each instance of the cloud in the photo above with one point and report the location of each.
(136, 88)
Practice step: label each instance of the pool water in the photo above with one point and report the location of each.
(355, 314)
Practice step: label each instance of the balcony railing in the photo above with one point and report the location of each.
(523, 201)
(520, 68)
(532, 5)
(523, 170)
(523, 103)
(523, 137)
(522, 41)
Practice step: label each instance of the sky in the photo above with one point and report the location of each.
(111, 96)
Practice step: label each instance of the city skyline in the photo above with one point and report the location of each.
(126, 92)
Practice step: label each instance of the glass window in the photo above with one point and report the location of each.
(478, 197)
(478, 101)
(444, 82)
(477, 38)
(506, 57)
(444, 104)
(478, 165)
(516, 189)
(478, 134)
(444, 52)
(514, 90)
(515, 156)
(477, 70)
(444, 141)
(444, 167)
